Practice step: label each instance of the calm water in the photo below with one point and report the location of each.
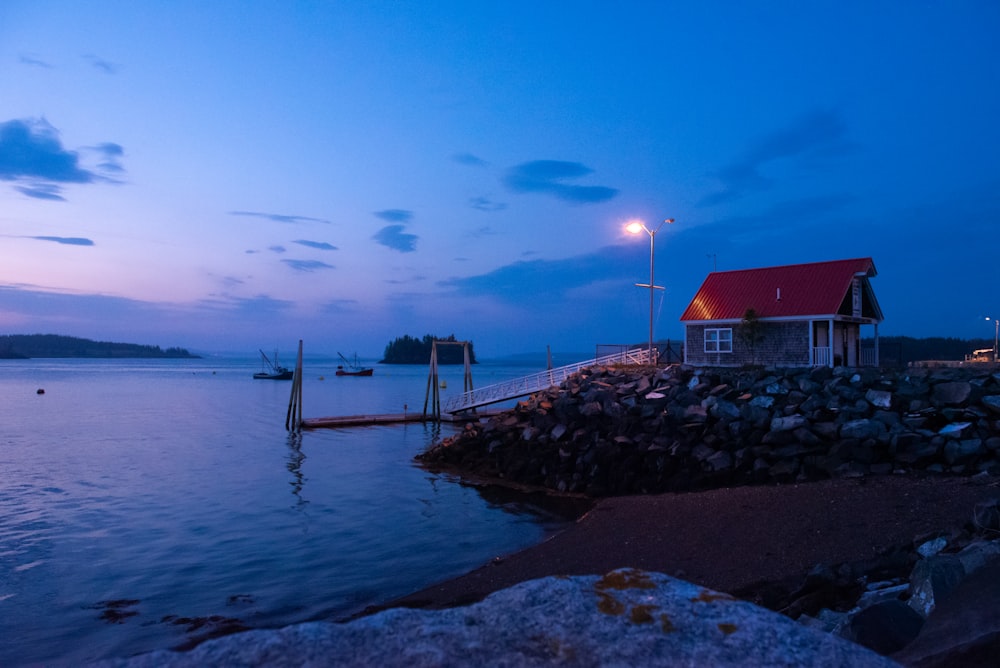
(138, 499)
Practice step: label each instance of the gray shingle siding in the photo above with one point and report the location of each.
(782, 344)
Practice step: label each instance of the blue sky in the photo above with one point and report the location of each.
(225, 176)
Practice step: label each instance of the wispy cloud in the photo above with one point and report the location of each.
(110, 155)
(469, 160)
(319, 245)
(483, 203)
(394, 237)
(815, 133)
(28, 59)
(70, 241)
(279, 217)
(103, 65)
(481, 231)
(395, 215)
(548, 176)
(513, 281)
(307, 265)
(276, 249)
(49, 191)
(340, 307)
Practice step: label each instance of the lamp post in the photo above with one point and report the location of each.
(996, 336)
(634, 227)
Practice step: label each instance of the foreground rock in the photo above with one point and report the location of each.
(613, 431)
(627, 617)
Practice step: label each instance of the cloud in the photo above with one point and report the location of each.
(32, 149)
(484, 203)
(307, 265)
(276, 249)
(393, 236)
(814, 133)
(416, 278)
(551, 280)
(70, 241)
(32, 154)
(110, 154)
(469, 160)
(547, 176)
(103, 65)
(320, 245)
(48, 191)
(27, 59)
(395, 215)
(339, 307)
(279, 217)
(481, 231)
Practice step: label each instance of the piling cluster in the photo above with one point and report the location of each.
(622, 430)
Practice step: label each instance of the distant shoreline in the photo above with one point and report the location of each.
(54, 346)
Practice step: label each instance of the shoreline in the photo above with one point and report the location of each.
(736, 540)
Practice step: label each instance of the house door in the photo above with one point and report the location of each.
(846, 345)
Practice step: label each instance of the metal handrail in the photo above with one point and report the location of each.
(519, 387)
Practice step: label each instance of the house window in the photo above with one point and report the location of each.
(719, 340)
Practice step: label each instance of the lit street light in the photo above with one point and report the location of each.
(996, 336)
(634, 227)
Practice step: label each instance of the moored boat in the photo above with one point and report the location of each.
(273, 370)
(349, 368)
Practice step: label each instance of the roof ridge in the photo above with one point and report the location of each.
(797, 264)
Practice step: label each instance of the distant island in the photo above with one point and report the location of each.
(27, 346)
(411, 350)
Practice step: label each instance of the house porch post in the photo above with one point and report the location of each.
(812, 343)
(829, 323)
(876, 345)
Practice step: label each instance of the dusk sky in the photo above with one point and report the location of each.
(227, 176)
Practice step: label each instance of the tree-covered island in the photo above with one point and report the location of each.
(411, 350)
(27, 346)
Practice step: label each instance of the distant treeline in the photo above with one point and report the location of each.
(26, 346)
(901, 350)
(411, 350)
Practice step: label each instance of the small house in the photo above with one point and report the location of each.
(794, 315)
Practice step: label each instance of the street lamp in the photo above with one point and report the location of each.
(996, 336)
(634, 227)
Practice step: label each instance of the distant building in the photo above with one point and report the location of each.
(800, 315)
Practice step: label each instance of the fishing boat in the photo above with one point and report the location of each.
(349, 368)
(273, 370)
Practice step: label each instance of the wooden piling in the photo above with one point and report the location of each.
(293, 416)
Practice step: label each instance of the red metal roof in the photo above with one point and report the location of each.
(814, 289)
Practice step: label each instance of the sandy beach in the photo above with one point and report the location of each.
(732, 539)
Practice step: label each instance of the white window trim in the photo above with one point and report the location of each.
(719, 339)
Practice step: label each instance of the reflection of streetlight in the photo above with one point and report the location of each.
(634, 227)
(996, 336)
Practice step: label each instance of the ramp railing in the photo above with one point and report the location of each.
(525, 385)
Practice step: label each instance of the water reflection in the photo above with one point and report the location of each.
(294, 466)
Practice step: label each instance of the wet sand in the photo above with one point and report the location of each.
(731, 539)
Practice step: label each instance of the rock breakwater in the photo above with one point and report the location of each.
(619, 430)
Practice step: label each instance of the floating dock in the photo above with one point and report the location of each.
(391, 418)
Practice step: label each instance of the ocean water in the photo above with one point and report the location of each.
(147, 503)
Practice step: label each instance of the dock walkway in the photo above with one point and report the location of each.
(520, 387)
(468, 405)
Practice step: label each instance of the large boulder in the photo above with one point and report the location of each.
(624, 618)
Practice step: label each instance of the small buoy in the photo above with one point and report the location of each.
(444, 384)
(40, 391)
(322, 378)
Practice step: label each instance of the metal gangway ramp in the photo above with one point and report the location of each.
(520, 387)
